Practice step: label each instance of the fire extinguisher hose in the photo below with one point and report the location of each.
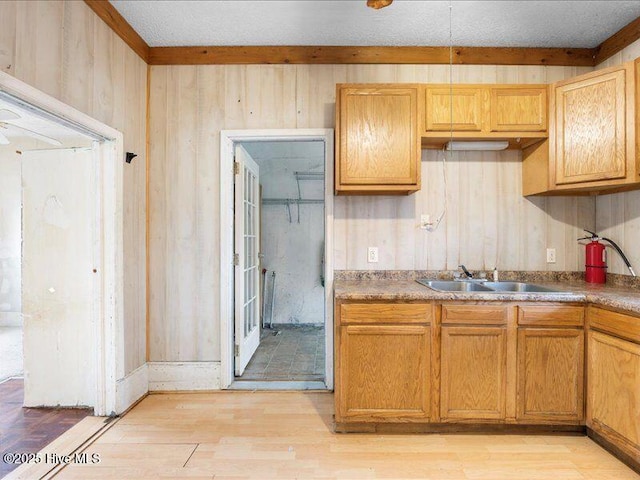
(619, 250)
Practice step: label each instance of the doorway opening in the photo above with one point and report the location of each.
(277, 319)
(60, 250)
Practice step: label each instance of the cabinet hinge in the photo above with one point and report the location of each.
(236, 168)
(236, 259)
(236, 350)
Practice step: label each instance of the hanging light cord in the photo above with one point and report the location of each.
(444, 152)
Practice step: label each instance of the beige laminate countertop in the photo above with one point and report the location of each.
(613, 296)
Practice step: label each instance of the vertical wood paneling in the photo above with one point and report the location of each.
(78, 57)
(8, 12)
(65, 50)
(211, 100)
(488, 222)
(618, 216)
(39, 45)
(158, 227)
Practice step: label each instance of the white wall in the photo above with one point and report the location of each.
(58, 198)
(10, 237)
(293, 249)
(618, 215)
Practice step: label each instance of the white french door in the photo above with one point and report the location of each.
(247, 268)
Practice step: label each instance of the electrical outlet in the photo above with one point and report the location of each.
(425, 221)
(372, 255)
(551, 255)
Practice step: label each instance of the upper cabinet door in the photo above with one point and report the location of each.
(378, 144)
(518, 109)
(591, 128)
(465, 103)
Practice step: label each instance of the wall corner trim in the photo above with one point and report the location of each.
(131, 388)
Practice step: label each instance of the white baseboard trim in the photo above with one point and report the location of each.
(131, 388)
(11, 319)
(174, 376)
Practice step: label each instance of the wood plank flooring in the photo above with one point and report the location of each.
(28, 430)
(287, 435)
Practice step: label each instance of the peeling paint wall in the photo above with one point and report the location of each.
(292, 240)
(10, 237)
(58, 198)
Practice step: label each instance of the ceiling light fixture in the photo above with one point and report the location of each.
(485, 145)
(378, 4)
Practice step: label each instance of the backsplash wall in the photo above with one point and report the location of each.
(487, 222)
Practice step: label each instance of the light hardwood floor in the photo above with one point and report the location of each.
(288, 435)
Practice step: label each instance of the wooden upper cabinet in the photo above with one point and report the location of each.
(592, 141)
(464, 103)
(378, 146)
(515, 113)
(518, 109)
(591, 133)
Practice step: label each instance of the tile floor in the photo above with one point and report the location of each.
(296, 352)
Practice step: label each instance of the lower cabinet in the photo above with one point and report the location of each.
(383, 363)
(492, 362)
(473, 373)
(550, 375)
(613, 387)
(550, 370)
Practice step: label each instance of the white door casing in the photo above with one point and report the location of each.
(247, 264)
(107, 311)
(228, 139)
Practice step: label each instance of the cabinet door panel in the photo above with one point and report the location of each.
(591, 129)
(473, 373)
(550, 374)
(613, 390)
(466, 107)
(518, 109)
(383, 373)
(378, 136)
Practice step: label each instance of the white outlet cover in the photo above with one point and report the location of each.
(372, 255)
(551, 255)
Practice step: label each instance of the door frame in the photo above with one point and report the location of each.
(107, 232)
(228, 138)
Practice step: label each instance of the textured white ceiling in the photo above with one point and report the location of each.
(350, 22)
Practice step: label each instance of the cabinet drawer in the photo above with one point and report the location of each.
(363, 313)
(474, 314)
(551, 316)
(618, 324)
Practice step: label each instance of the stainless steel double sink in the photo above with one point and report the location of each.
(487, 287)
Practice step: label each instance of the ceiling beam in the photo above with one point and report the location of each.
(217, 55)
(249, 55)
(619, 40)
(120, 26)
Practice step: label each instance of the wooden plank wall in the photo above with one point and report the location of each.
(65, 50)
(488, 221)
(618, 216)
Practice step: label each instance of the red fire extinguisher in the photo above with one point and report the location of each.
(596, 258)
